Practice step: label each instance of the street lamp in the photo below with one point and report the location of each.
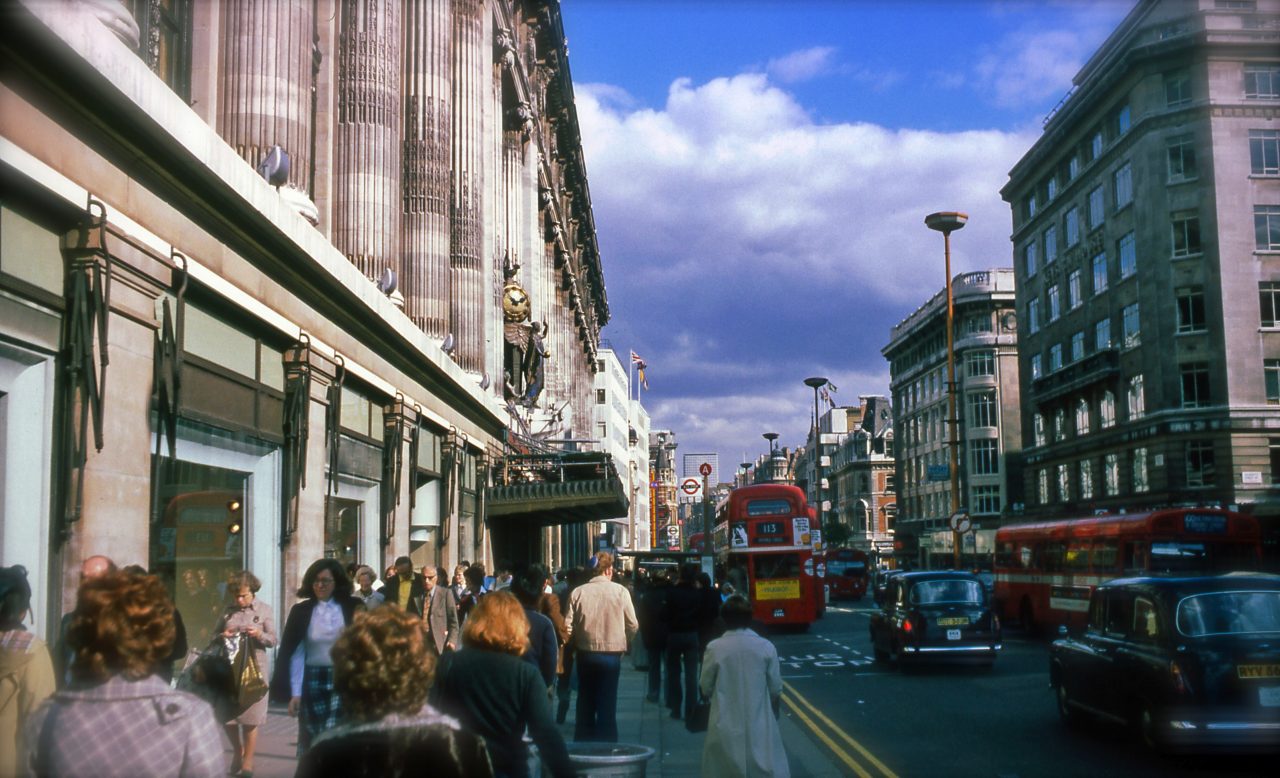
(746, 473)
(817, 382)
(948, 222)
(771, 437)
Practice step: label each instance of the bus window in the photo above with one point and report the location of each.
(1168, 555)
(1135, 557)
(1004, 554)
(768, 508)
(777, 566)
(1232, 556)
(1052, 561)
(1076, 558)
(1105, 554)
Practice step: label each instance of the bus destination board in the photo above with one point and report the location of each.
(770, 533)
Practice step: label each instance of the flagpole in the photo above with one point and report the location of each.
(631, 370)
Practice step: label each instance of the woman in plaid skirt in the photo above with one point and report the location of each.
(304, 669)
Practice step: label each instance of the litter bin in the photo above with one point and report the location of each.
(609, 760)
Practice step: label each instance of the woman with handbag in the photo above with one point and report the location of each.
(248, 626)
(303, 676)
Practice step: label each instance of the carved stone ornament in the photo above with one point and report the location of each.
(115, 17)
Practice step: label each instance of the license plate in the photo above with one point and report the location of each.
(953, 621)
(777, 613)
(953, 634)
(1258, 671)
(1269, 696)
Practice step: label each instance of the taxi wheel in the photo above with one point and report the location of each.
(880, 653)
(1146, 726)
(1069, 716)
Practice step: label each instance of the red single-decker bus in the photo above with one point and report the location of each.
(847, 573)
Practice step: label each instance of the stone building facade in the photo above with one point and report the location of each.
(863, 478)
(1146, 222)
(989, 423)
(284, 279)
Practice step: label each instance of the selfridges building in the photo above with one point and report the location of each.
(287, 279)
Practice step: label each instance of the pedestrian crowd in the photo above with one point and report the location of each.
(462, 672)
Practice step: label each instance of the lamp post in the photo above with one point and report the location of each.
(771, 437)
(746, 473)
(948, 222)
(817, 382)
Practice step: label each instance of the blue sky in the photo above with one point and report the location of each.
(760, 172)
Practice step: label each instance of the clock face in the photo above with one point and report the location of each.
(1010, 322)
(515, 303)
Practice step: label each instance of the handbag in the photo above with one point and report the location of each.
(250, 685)
(700, 718)
(208, 675)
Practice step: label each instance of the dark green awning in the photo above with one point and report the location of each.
(563, 502)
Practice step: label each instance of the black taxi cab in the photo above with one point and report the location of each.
(936, 616)
(1188, 663)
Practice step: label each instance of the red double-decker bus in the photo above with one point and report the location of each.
(1046, 571)
(764, 545)
(847, 573)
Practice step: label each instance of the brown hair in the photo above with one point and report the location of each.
(123, 625)
(242, 579)
(600, 563)
(497, 623)
(381, 664)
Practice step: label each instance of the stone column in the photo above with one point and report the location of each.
(428, 62)
(367, 164)
(472, 67)
(266, 83)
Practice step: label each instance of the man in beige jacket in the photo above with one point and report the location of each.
(601, 623)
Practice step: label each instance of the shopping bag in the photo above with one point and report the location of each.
(250, 685)
(700, 718)
(208, 675)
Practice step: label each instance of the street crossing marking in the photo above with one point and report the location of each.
(794, 700)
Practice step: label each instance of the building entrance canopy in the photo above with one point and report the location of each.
(559, 488)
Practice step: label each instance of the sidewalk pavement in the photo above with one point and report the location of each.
(678, 752)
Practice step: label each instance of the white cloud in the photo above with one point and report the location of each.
(802, 65)
(721, 213)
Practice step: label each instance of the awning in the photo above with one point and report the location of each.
(552, 503)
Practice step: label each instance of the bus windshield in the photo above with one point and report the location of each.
(772, 566)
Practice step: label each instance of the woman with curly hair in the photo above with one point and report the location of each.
(303, 675)
(117, 718)
(382, 669)
(496, 694)
(253, 619)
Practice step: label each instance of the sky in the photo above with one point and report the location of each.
(760, 172)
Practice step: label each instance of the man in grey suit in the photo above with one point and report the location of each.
(440, 611)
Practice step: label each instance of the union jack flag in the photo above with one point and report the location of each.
(641, 365)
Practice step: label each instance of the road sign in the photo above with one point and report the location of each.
(705, 468)
(673, 532)
(960, 521)
(691, 486)
(938, 472)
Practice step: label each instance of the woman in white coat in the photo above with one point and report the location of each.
(742, 678)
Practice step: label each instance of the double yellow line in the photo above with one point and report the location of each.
(807, 712)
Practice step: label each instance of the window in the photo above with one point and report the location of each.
(1266, 227)
(1032, 205)
(602, 430)
(1059, 425)
(1107, 410)
(1140, 483)
(1137, 400)
(1033, 315)
(1082, 417)
(1131, 330)
(1055, 309)
(982, 409)
(1072, 224)
(1123, 181)
(984, 457)
(1050, 244)
(1124, 120)
(1086, 479)
(1195, 384)
(1037, 366)
(1128, 253)
(1264, 152)
(1273, 448)
(1111, 474)
(1095, 145)
(1037, 425)
(1190, 311)
(978, 363)
(1177, 89)
(1055, 357)
(1064, 483)
(1182, 158)
(1100, 273)
(977, 323)
(1200, 469)
(1029, 258)
(1097, 211)
(1042, 486)
(1271, 377)
(1051, 188)
(1269, 301)
(1262, 82)
(1077, 346)
(600, 397)
(1102, 335)
(1074, 295)
(164, 28)
(986, 499)
(1073, 167)
(1186, 232)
